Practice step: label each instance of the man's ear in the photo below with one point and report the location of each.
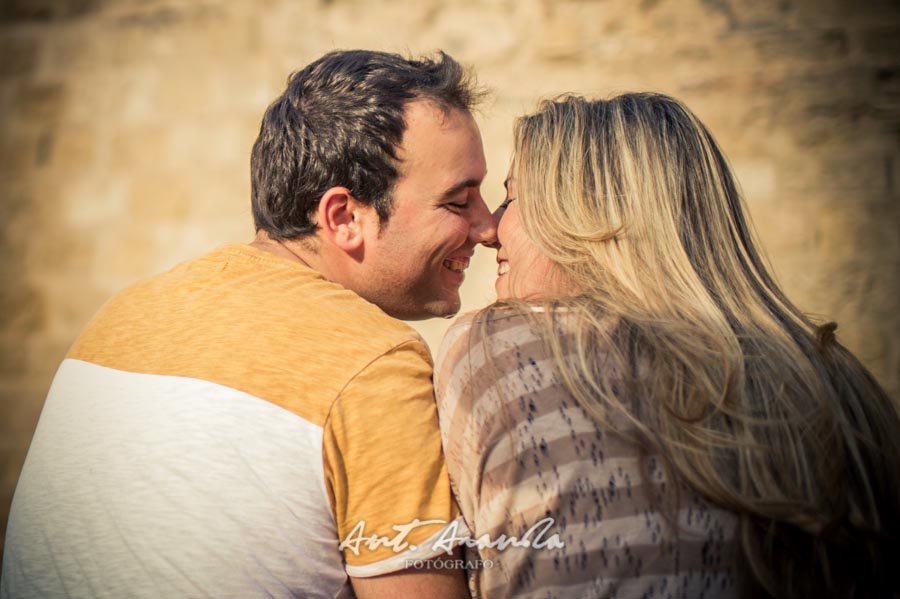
(341, 218)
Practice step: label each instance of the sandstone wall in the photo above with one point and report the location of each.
(126, 126)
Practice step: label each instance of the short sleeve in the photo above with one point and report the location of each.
(384, 466)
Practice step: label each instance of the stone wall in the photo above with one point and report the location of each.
(126, 126)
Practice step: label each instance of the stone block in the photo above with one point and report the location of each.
(887, 85)
(219, 37)
(20, 216)
(45, 353)
(73, 299)
(123, 47)
(13, 361)
(149, 16)
(865, 13)
(71, 251)
(20, 55)
(92, 202)
(804, 45)
(159, 197)
(72, 49)
(559, 40)
(748, 14)
(848, 171)
(881, 42)
(715, 84)
(246, 86)
(829, 121)
(864, 171)
(824, 84)
(47, 10)
(24, 309)
(756, 178)
(221, 195)
(124, 255)
(784, 227)
(892, 173)
(91, 94)
(206, 143)
(138, 148)
(18, 154)
(277, 26)
(483, 33)
(861, 237)
(21, 412)
(40, 101)
(183, 90)
(72, 148)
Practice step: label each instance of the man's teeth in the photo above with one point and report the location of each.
(457, 265)
(502, 268)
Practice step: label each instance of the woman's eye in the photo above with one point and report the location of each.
(506, 203)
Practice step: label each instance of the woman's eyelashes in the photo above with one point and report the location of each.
(498, 213)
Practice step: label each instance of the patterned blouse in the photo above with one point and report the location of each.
(557, 505)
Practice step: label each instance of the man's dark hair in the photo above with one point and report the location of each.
(339, 123)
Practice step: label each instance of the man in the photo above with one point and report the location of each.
(256, 422)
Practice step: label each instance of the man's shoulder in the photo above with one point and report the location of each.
(270, 328)
(239, 290)
(239, 284)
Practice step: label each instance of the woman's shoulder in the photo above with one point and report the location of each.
(491, 329)
(502, 319)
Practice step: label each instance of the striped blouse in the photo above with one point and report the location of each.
(559, 506)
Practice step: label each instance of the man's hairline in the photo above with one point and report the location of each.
(445, 109)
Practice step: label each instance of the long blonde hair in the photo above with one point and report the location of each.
(746, 400)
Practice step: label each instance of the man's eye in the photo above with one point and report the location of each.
(455, 206)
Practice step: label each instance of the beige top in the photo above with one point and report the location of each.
(523, 455)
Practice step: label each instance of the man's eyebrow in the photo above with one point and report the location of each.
(459, 187)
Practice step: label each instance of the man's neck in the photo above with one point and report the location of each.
(313, 253)
(292, 250)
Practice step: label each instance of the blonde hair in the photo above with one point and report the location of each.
(744, 398)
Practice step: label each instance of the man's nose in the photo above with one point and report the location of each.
(483, 228)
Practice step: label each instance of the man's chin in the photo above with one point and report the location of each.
(442, 308)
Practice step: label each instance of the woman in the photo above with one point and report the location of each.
(646, 392)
